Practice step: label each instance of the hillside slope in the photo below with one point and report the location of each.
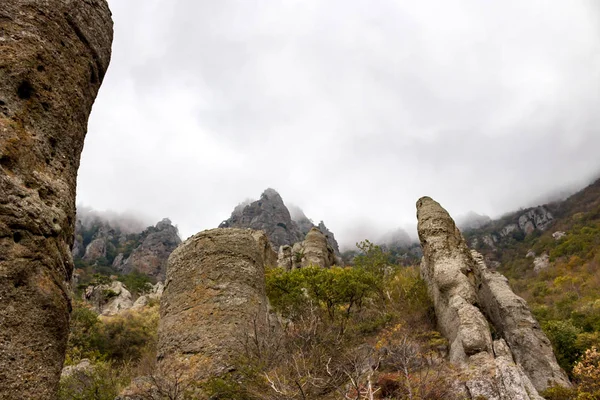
(551, 255)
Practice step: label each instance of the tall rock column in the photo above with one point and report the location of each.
(54, 55)
(214, 295)
(468, 299)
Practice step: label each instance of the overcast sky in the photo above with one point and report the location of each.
(351, 109)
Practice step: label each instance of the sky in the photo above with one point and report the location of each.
(350, 109)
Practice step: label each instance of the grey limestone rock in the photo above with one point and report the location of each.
(283, 225)
(108, 299)
(54, 55)
(538, 218)
(214, 295)
(313, 250)
(468, 298)
(541, 262)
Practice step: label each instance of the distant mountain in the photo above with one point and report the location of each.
(283, 225)
(111, 245)
(472, 220)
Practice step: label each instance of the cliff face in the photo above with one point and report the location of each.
(103, 243)
(214, 295)
(468, 299)
(151, 256)
(55, 54)
(268, 214)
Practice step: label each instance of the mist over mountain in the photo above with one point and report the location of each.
(284, 225)
(126, 222)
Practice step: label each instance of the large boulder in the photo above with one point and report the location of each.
(468, 299)
(108, 299)
(54, 55)
(214, 296)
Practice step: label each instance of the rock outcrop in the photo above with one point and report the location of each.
(284, 226)
(55, 54)
(313, 250)
(214, 295)
(108, 299)
(151, 256)
(468, 298)
(538, 218)
(102, 242)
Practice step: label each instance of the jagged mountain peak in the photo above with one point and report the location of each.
(283, 224)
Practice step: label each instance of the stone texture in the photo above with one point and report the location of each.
(54, 55)
(95, 250)
(108, 299)
(214, 295)
(559, 235)
(154, 294)
(468, 298)
(538, 218)
(512, 319)
(151, 256)
(541, 262)
(317, 250)
(313, 250)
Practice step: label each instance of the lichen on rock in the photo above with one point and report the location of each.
(214, 295)
(55, 54)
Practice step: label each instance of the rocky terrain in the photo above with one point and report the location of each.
(54, 58)
(108, 247)
(468, 299)
(239, 321)
(271, 215)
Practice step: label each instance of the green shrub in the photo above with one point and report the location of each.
(136, 282)
(102, 381)
(563, 335)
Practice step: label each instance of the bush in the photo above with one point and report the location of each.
(587, 373)
(120, 338)
(136, 282)
(101, 381)
(563, 335)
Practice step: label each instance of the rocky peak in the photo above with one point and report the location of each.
(283, 225)
(268, 214)
(469, 299)
(330, 238)
(151, 255)
(104, 242)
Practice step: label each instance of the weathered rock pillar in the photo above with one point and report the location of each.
(468, 299)
(53, 57)
(214, 296)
